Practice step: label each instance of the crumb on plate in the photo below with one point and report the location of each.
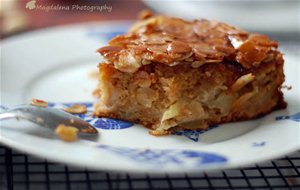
(76, 108)
(66, 133)
(39, 103)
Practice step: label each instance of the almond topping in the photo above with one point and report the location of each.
(39, 103)
(178, 47)
(76, 108)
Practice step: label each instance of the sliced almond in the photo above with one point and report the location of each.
(39, 103)
(76, 108)
(242, 81)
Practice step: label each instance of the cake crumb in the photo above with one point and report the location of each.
(39, 103)
(76, 109)
(159, 133)
(66, 133)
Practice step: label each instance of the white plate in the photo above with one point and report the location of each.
(53, 65)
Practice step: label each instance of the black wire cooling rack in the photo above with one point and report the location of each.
(22, 172)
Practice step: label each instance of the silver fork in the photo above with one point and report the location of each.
(48, 117)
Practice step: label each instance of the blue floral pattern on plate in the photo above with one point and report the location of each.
(102, 123)
(294, 117)
(98, 34)
(165, 157)
(193, 134)
(3, 108)
(259, 144)
(108, 123)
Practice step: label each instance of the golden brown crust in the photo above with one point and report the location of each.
(172, 41)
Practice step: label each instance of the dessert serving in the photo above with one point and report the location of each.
(168, 74)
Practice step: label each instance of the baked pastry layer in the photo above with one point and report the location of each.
(167, 73)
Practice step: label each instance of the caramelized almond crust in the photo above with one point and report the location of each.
(173, 41)
(169, 74)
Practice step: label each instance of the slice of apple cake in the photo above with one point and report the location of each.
(168, 74)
